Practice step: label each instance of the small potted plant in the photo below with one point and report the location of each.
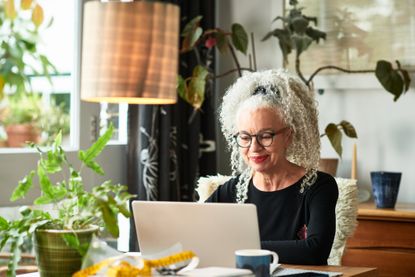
(62, 232)
(26, 119)
(21, 118)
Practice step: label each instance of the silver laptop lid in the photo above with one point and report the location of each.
(212, 230)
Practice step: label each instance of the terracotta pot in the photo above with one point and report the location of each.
(19, 134)
(329, 166)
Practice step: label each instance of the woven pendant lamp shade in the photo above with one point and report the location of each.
(130, 52)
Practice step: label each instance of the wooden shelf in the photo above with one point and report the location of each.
(384, 238)
(402, 212)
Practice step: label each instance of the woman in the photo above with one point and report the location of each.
(269, 120)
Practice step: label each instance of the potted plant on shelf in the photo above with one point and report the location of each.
(26, 118)
(62, 232)
(21, 119)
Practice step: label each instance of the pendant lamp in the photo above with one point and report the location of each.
(130, 52)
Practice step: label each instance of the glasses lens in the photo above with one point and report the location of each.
(265, 139)
(243, 140)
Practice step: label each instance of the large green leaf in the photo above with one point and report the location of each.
(89, 155)
(197, 87)
(43, 200)
(301, 43)
(23, 187)
(181, 87)
(195, 37)
(222, 42)
(44, 182)
(110, 219)
(335, 137)
(191, 33)
(72, 240)
(348, 129)
(390, 79)
(191, 25)
(284, 39)
(239, 38)
(59, 192)
(3, 241)
(406, 78)
(299, 24)
(315, 34)
(3, 223)
(52, 163)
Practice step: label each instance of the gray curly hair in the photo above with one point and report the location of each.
(293, 100)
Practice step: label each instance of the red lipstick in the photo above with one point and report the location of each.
(258, 159)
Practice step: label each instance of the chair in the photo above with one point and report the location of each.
(346, 210)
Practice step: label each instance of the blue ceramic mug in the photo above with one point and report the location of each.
(385, 187)
(258, 261)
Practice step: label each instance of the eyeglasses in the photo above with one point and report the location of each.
(264, 139)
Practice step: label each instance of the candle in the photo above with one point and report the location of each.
(354, 162)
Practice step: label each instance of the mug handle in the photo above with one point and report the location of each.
(274, 258)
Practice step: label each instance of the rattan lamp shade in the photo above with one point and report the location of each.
(130, 52)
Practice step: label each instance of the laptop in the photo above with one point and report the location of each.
(212, 230)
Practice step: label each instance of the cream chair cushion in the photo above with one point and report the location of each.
(346, 214)
(346, 210)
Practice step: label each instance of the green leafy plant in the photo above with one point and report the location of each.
(20, 57)
(296, 35)
(74, 208)
(22, 109)
(192, 89)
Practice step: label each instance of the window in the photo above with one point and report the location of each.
(44, 102)
(356, 39)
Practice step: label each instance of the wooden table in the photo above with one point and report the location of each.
(346, 270)
(384, 238)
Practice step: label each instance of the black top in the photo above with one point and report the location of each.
(300, 227)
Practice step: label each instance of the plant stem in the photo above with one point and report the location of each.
(298, 70)
(196, 51)
(253, 50)
(238, 66)
(307, 82)
(233, 70)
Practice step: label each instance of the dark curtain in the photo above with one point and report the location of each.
(170, 146)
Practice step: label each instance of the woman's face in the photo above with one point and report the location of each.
(270, 129)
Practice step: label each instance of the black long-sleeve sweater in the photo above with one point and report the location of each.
(300, 227)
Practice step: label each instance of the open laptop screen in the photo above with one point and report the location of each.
(212, 230)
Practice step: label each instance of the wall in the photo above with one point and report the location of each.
(386, 129)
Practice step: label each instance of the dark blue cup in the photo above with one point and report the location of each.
(258, 261)
(385, 186)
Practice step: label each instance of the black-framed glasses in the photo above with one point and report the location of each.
(264, 138)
